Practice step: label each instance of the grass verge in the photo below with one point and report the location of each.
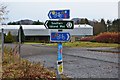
(85, 44)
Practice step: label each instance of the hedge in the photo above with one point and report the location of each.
(106, 37)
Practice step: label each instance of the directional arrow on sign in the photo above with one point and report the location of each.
(68, 37)
(52, 24)
(59, 36)
(46, 24)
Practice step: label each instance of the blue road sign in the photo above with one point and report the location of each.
(59, 14)
(59, 37)
(59, 51)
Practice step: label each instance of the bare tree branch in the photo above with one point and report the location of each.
(3, 12)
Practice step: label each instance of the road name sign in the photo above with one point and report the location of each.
(59, 36)
(52, 24)
(59, 14)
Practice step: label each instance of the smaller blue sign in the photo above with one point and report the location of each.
(59, 36)
(59, 14)
(59, 51)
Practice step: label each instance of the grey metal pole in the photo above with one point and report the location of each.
(2, 52)
(2, 46)
(19, 42)
(58, 75)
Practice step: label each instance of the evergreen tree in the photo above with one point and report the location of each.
(12, 23)
(9, 38)
(82, 21)
(108, 24)
(115, 27)
(22, 34)
(103, 26)
(37, 23)
(99, 27)
(86, 21)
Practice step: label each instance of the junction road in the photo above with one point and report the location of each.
(78, 62)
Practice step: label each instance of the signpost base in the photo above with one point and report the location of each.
(60, 67)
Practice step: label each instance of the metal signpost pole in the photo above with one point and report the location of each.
(19, 42)
(2, 52)
(2, 47)
(59, 58)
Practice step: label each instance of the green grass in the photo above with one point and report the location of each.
(34, 43)
(78, 44)
(85, 44)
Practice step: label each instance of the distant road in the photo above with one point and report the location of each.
(78, 62)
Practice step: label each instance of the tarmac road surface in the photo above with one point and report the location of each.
(78, 62)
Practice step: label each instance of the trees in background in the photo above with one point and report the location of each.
(13, 23)
(99, 27)
(9, 38)
(102, 25)
(115, 26)
(84, 21)
(108, 26)
(28, 23)
(37, 23)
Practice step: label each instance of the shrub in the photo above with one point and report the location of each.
(16, 68)
(9, 38)
(108, 37)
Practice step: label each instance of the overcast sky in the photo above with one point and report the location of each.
(78, 9)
